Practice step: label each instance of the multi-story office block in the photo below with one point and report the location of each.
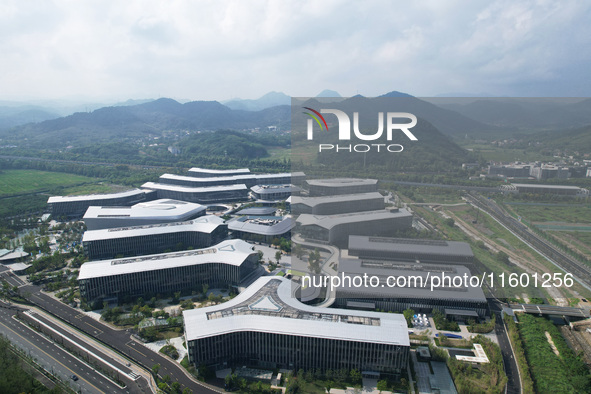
(200, 195)
(265, 326)
(273, 192)
(412, 290)
(412, 249)
(261, 228)
(336, 229)
(77, 205)
(225, 264)
(154, 238)
(561, 190)
(210, 173)
(153, 212)
(338, 186)
(333, 205)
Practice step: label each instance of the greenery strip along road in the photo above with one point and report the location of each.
(553, 365)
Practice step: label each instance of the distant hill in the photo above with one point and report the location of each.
(573, 140)
(144, 120)
(394, 93)
(15, 116)
(328, 93)
(434, 152)
(523, 114)
(271, 99)
(447, 121)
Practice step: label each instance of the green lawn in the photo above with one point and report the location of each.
(558, 213)
(26, 181)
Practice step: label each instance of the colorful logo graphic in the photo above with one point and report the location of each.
(316, 117)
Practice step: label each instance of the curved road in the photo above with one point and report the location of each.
(120, 340)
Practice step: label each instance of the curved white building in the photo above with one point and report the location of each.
(227, 263)
(265, 326)
(153, 212)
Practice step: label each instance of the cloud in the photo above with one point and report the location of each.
(223, 49)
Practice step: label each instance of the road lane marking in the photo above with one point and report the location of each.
(48, 355)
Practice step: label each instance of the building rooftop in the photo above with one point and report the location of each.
(196, 180)
(268, 306)
(220, 172)
(410, 245)
(329, 221)
(91, 197)
(270, 189)
(340, 182)
(263, 225)
(258, 211)
(189, 189)
(262, 177)
(313, 201)
(157, 209)
(384, 269)
(232, 252)
(546, 186)
(204, 224)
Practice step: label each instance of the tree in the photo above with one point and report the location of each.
(298, 250)
(382, 385)
(355, 376)
(278, 255)
(408, 315)
(155, 369)
(328, 385)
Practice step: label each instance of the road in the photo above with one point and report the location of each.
(53, 358)
(119, 340)
(511, 369)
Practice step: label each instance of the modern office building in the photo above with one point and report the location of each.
(333, 205)
(265, 326)
(210, 173)
(338, 186)
(152, 212)
(561, 190)
(73, 206)
(273, 192)
(510, 170)
(261, 228)
(228, 263)
(336, 229)
(200, 195)
(411, 249)
(450, 298)
(192, 181)
(198, 233)
(548, 171)
(249, 180)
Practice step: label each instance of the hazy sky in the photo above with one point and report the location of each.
(117, 50)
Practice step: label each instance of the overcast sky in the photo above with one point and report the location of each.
(204, 50)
